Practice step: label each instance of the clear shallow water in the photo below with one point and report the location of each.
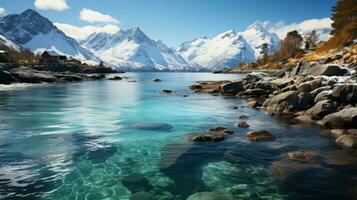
(78, 140)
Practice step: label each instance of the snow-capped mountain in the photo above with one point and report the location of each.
(33, 31)
(226, 50)
(134, 50)
(7, 43)
(256, 35)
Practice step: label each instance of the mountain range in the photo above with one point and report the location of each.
(133, 50)
(32, 31)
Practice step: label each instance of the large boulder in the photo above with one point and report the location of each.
(310, 85)
(346, 93)
(28, 75)
(346, 118)
(253, 77)
(281, 83)
(328, 70)
(322, 108)
(232, 88)
(289, 101)
(210, 196)
(6, 77)
(301, 69)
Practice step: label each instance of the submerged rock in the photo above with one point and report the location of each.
(242, 125)
(243, 116)
(152, 126)
(136, 183)
(102, 154)
(261, 135)
(302, 155)
(142, 195)
(216, 137)
(349, 141)
(341, 158)
(221, 129)
(156, 80)
(166, 91)
(210, 196)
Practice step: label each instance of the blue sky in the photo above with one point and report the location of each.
(177, 21)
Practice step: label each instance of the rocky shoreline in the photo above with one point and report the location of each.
(21, 74)
(325, 95)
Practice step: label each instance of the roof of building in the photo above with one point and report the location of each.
(52, 53)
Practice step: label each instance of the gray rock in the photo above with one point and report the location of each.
(317, 91)
(281, 83)
(328, 70)
(310, 85)
(322, 108)
(28, 75)
(254, 92)
(290, 101)
(346, 93)
(346, 118)
(324, 95)
(232, 88)
(6, 77)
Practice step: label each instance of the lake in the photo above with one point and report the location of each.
(79, 140)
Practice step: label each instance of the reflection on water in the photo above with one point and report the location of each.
(78, 141)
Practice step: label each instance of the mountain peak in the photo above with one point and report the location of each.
(256, 26)
(31, 13)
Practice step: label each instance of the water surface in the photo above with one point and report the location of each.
(78, 140)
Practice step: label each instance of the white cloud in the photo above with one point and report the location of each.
(92, 16)
(2, 11)
(80, 33)
(281, 29)
(59, 5)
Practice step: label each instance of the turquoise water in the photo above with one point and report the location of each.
(78, 140)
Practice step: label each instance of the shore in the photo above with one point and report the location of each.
(309, 93)
(10, 74)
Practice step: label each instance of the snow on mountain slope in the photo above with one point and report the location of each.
(256, 35)
(226, 50)
(9, 44)
(134, 50)
(33, 31)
